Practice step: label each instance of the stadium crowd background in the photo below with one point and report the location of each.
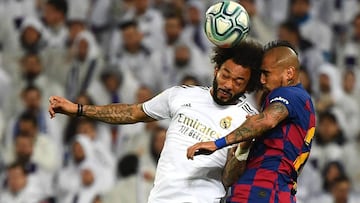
(103, 51)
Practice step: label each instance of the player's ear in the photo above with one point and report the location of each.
(290, 72)
(216, 70)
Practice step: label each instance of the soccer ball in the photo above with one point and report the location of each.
(227, 23)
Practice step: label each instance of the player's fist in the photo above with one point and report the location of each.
(204, 148)
(61, 105)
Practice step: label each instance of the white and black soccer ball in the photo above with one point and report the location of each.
(227, 23)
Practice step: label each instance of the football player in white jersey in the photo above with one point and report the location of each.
(197, 114)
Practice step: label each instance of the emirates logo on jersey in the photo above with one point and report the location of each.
(225, 123)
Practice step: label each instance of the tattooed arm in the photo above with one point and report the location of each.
(233, 169)
(256, 125)
(253, 127)
(112, 113)
(117, 113)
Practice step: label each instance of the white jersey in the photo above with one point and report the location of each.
(195, 117)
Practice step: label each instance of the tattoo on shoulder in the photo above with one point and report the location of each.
(278, 110)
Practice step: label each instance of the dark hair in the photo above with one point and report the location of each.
(248, 54)
(154, 135)
(111, 72)
(60, 5)
(28, 116)
(173, 15)
(342, 178)
(31, 88)
(16, 165)
(279, 43)
(128, 165)
(306, 1)
(126, 24)
(327, 115)
(326, 183)
(291, 26)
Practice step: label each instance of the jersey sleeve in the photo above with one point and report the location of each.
(159, 107)
(286, 97)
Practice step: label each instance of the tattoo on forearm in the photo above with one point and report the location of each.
(232, 171)
(258, 124)
(112, 113)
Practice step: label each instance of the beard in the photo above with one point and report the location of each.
(23, 158)
(233, 99)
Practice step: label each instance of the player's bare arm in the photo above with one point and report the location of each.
(253, 127)
(256, 125)
(112, 113)
(236, 163)
(233, 169)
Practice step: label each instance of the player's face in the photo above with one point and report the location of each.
(230, 82)
(272, 75)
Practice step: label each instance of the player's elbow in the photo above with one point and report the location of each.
(227, 183)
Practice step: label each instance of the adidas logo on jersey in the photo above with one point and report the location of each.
(187, 105)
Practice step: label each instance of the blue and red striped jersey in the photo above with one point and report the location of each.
(276, 158)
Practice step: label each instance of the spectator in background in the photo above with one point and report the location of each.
(6, 86)
(150, 158)
(305, 79)
(311, 29)
(114, 86)
(86, 65)
(32, 72)
(331, 97)
(309, 55)
(128, 187)
(260, 28)
(349, 82)
(74, 177)
(351, 154)
(24, 155)
(186, 61)
(33, 38)
(174, 26)
(99, 20)
(45, 152)
(134, 57)
(54, 14)
(331, 171)
(75, 26)
(90, 183)
(194, 27)
(276, 11)
(20, 187)
(329, 141)
(309, 183)
(101, 144)
(55, 21)
(150, 23)
(340, 192)
(135, 138)
(32, 102)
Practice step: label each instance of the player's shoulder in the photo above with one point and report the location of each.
(247, 104)
(190, 89)
(293, 91)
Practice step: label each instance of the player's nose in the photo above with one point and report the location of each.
(262, 78)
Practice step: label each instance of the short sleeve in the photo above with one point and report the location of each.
(287, 97)
(159, 107)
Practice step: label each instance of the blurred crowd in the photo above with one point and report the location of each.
(104, 51)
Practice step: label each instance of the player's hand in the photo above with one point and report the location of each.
(204, 148)
(61, 105)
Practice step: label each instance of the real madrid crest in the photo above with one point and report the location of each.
(225, 122)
